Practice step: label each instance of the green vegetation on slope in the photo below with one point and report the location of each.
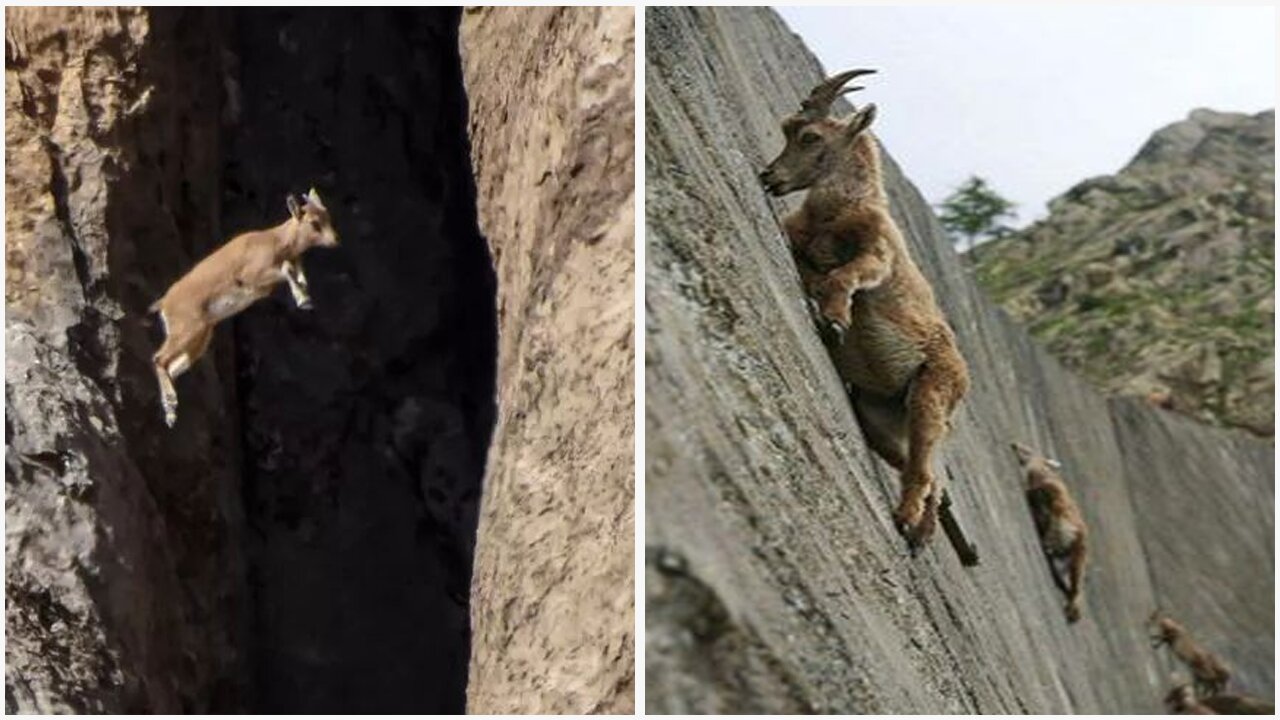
(1158, 281)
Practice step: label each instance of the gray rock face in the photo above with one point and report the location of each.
(776, 581)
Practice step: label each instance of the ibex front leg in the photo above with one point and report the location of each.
(292, 273)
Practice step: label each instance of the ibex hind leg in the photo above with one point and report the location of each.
(934, 394)
(173, 359)
(168, 393)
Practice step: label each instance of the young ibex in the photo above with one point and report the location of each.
(1233, 704)
(231, 279)
(1061, 527)
(1209, 672)
(887, 336)
(1182, 700)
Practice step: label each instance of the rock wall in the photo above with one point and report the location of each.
(124, 576)
(775, 580)
(552, 118)
(301, 540)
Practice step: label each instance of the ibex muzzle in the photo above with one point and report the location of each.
(814, 140)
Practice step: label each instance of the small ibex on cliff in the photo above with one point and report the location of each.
(888, 338)
(1182, 700)
(1210, 673)
(230, 279)
(1063, 534)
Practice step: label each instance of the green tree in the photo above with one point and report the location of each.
(973, 212)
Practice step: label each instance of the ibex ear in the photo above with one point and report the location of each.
(860, 121)
(291, 202)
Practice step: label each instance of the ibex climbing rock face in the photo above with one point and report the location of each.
(1182, 700)
(1063, 533)
(888, 338)
(233, 277)
(1210, 673)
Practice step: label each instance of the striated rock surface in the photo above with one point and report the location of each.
(552, 118)
(301, 540)
(1158, 281)
(775, 579)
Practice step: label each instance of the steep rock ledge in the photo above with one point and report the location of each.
(124, 576)
(776, 580)
(301, 540)
(552, 117)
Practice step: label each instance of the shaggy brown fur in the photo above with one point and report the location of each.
(888, 338)
(230, 279)
(1063, 533)
(1210, 673)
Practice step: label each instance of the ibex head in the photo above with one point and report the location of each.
(815, 141)
(1029, 458)
(1164, 629)
(312, 217)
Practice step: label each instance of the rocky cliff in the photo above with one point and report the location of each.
(301, 541)
(552, 122)
(1158, 281)
(775, 581)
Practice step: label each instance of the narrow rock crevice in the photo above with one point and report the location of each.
(365, 420)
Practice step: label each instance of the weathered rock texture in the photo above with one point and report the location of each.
(301, 541)
(552, 119)
(1160, 280)
(125, 575)
(775, 579)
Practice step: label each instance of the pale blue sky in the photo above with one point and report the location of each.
(1037, 98)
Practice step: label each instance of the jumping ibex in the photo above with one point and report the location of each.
(1210, 673)
(1061, 527)
(887, 336)
(231, 279)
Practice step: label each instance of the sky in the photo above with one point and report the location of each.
(1037, 98)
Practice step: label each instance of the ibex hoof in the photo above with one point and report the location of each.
(815, 312)
(831, 331)
(170, 417)
(305, 304)
(917, 535)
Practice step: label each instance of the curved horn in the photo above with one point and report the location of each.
(314, 198)
(818, 104)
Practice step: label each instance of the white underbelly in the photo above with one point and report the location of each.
(877, 356)
(1060, 536)
(229, 303)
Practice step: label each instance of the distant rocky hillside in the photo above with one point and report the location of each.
(1158, 281)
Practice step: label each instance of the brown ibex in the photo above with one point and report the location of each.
(1182, 700)
(888, 338)
(1233, 704)
(231, 279)
(1209, 672)
(1063, 533)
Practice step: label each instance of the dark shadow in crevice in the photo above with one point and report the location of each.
(366, 420)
